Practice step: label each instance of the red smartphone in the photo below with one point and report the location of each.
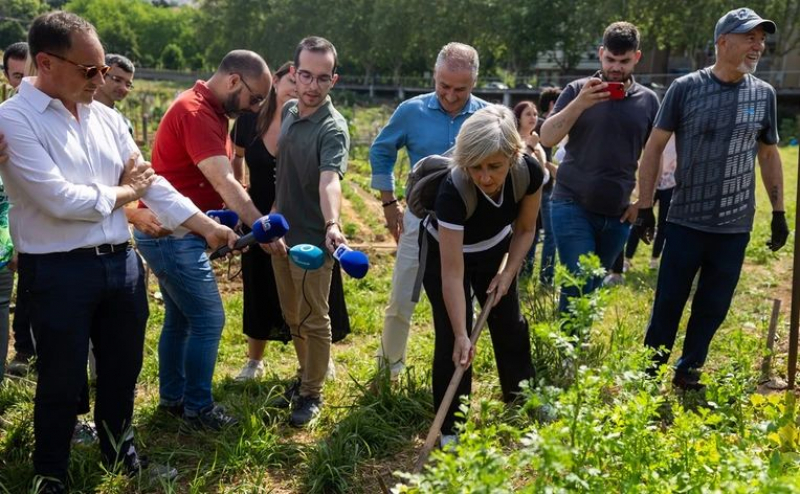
(616, 90)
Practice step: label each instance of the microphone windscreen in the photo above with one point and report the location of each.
(355, 263)
(270, 227)
(308, 257)
(225, 216)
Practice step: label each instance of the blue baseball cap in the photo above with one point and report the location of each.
(739, 21)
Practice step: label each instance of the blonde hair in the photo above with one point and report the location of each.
(490, 130)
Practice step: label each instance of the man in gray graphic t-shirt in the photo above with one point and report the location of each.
(722, 118)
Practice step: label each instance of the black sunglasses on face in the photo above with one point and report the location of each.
(89, 71)
(255, 98)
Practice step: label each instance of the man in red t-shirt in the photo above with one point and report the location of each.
(192, 151)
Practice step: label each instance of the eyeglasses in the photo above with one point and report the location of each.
(89, 71)
(255, 98)
(307, 78)
(120, 80)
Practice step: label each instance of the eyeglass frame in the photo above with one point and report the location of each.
(255, 98)
(101, 69)
(301, 73)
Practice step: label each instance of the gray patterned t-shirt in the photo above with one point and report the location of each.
(718, 127)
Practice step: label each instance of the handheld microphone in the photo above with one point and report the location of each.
(354, 262)
(308, 257)
(265, 229)
(225, 216)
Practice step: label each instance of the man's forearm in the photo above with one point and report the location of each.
(330, 196)
(772, 176)
(237, 199)
(556, 127)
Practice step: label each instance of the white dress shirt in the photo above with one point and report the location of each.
(62, 170)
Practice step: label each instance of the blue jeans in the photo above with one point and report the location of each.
(718, 257)
(193, 319)
(549, 243)
(580, 232)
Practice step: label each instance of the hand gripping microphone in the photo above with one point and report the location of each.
(265, 229)
(225, 216)
(354, 263)
(308, 257)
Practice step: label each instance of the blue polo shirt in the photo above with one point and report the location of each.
(423, 128)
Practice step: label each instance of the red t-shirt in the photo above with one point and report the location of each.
(194, 128)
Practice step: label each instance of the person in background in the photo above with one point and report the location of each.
(425, 125)
(723, 117)
(255, 137)
(14, 58)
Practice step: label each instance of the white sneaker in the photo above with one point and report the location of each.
(253, 369)
(448, 441)
(654, 263)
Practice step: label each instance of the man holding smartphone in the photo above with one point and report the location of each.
(608, 118)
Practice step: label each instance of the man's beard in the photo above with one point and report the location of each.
(746, 68)
(625, 77)
(231, 105)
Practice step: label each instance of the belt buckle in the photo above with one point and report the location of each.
(99, 251)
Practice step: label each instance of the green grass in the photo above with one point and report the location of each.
(591, 424)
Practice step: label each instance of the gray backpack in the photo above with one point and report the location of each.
(422, 187)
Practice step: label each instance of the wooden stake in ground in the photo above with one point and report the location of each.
(456, 380)
(794, 322)
(766, 363)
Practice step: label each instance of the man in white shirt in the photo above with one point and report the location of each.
(72, 167)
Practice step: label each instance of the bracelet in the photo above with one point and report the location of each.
(389, 203)
(330, 223)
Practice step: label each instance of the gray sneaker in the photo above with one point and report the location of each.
(148, 472)
(306, 408)
(253, 369)
(214, 418)
(85, 433)
(289, 396)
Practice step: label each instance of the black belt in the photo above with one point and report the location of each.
(101, 250)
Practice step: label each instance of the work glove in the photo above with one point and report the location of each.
(645, 225)
(780, 231)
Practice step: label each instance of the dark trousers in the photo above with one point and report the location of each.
(23, 339)
(508, 329)
(75, 297)
(718, 257)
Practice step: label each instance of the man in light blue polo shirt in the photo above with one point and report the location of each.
(424, 125)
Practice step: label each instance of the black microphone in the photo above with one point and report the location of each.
(265, 229)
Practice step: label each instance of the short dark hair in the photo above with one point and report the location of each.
(124, 63)
(53, 32)
(17, 51)
(318, 45)
(621, 37)
(548, 95)
(243, 62)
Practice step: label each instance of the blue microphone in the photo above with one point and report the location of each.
(225, 216)
(354, 263)
(307, 256)
(265, 230)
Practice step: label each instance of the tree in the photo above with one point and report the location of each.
(172, 57)
(15, 19)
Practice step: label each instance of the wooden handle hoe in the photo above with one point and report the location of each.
(433, 433)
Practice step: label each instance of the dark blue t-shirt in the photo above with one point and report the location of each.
(605, 143)
(717, 127)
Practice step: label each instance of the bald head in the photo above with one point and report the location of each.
(246, 63)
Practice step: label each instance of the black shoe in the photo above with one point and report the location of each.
(214, 418)
(306, 408)
(173, 410)
(20, 366)
(688, 381)
(51, 486)
(289, 396)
